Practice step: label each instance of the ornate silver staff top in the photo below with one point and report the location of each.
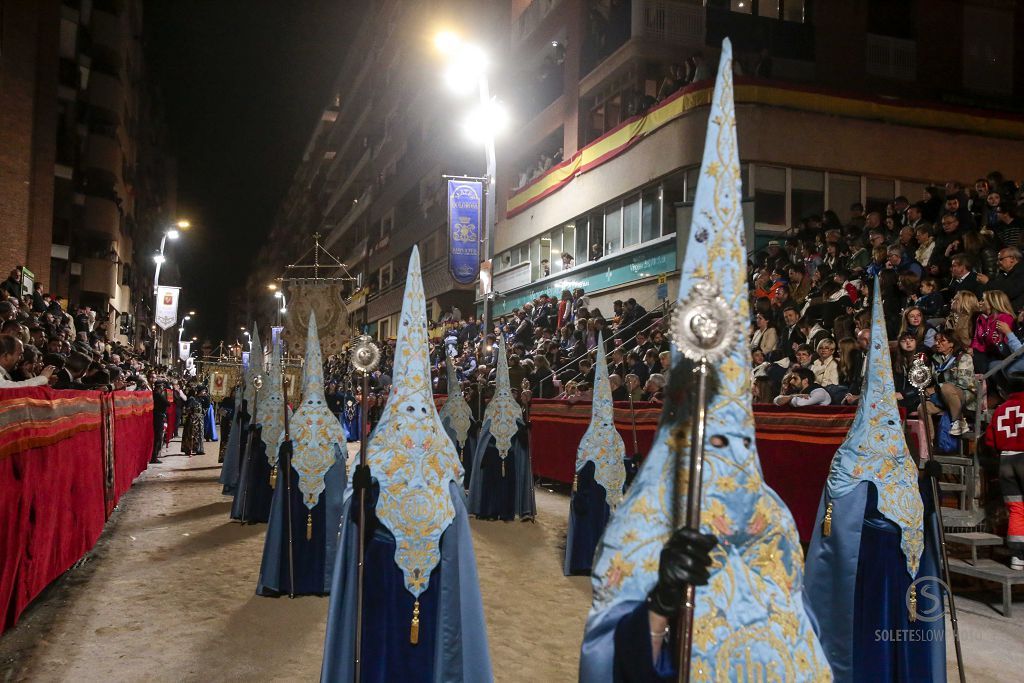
(920, 374)
(704, 326)
(365, 354)
(258, 383)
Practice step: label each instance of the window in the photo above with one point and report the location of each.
(770, 195)
(631, 222)
(741, 6)
(386, 224)
(597, 244)
(843, 191)
(691, 184)
(568, 243)
(794, 10)
(384, 329)
(612, 228)
(534, 257)
(807, 196)
(914, 192)
(879, 194)
(672, 193)
(582, 241)
(650, 213)
(768, 8)
(384, 277)
(555, 250)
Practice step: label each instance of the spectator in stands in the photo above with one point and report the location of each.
(825, 367)
(963, 311)
(914, 324)
(1010, 277)
(654, 388)
(791, 337)
(989, 344)
(619, 392)
(11, 350)
(800, 389)
(954, 375)
(633, 388)
(963, 278)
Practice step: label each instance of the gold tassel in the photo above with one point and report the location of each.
(273, 477)
(503, 468)
(309, 526)
(414, 629)
(575, 482)
(913, 603)
(826, 525)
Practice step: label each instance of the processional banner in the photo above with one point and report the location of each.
(167, 306)
(323, 298)
(465, 199)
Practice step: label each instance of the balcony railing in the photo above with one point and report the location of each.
(104, 153)
(106, 91)
(99, 276)
(891, 57)
(677, 22)
(531, 18)
(101, 217)
(108, 32)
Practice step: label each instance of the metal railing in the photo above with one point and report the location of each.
(665, 308)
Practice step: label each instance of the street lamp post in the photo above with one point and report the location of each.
(467, 61)
(173, 234)
(284, 305)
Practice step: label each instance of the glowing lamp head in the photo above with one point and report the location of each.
(173, 234)
(158, 259)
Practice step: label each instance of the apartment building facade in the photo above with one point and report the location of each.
(86, 167)
(836, 103)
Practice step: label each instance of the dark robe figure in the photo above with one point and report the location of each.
(351, 416)
(501, 485)
(251, 503)
(873, 562)
(302, 536)
(192, 427)
(422, 617)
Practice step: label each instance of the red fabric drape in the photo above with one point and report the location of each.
(795, 446)
(52, 483)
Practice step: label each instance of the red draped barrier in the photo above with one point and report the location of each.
(795, 445)
(54, 480)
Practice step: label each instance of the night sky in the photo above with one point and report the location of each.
(244, 82)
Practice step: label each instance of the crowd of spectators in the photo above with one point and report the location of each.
(952, 285)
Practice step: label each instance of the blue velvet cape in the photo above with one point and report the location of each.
(588, 515)
(467, 450)
(856, 585)
(253, 492)
(313, 559)
(232, 466)
(492, 496)
(210, 424)
(452, 637)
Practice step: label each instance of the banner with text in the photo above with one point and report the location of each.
(184, 349)
(465, 202)
(167, 306)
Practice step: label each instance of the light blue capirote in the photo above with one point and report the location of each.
(232, 466)
(455, 413)
(874, 455)
(421, 504)
(750, 622)
(272, 407)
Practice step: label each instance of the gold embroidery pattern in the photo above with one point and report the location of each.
(503, 412)
(315, 432)
(272, 407)
(750, 623)
(409, 452)
(455, 411)
(876, 450)
(602, 443)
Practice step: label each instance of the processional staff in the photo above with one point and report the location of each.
(920, 377)
(703, 330)
(365, 357)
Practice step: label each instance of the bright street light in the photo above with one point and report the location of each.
(184, 225)
(158, 259)
(486, 122)
(173, 234)
(278, 295)
(272, 287)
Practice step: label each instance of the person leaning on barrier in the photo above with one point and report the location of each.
(11, 349)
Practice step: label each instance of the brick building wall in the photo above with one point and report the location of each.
(26, 173)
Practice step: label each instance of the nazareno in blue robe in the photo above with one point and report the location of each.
(588, 515)
(253, 494)
(493, 496)
(312, 559)
(210, 424)
(232, 466)
(467, 450)
(452, 636)
(350, 423)
(856, 586)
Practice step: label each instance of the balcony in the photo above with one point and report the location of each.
(106, 92)
(669, 21)
(889, 57)
(532, 17)
(99, 276)
(359, 173)
(101, 217)
(103, 154)
(108, 33)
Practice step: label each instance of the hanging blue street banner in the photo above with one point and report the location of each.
(465, 201)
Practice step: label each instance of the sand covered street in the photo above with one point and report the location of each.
(168, 595)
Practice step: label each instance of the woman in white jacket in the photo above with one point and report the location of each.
(825, 368)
